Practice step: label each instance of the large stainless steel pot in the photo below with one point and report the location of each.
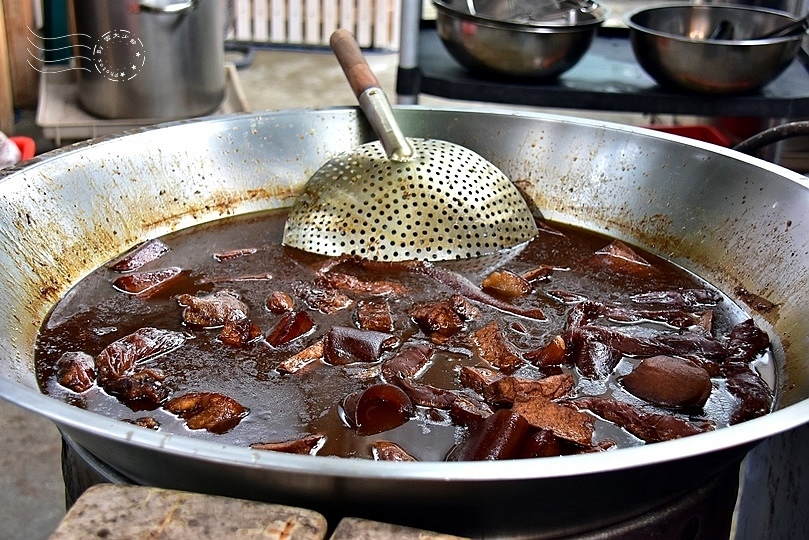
(738, 221)
(149, 59)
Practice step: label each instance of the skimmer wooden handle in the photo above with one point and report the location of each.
(351, 59)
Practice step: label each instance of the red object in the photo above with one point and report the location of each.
(701, 133)
(27, 146)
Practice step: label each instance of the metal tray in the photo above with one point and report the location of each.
(62, 119)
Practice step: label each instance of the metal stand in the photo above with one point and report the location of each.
(703, 514)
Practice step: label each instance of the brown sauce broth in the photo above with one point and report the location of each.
(286, 406)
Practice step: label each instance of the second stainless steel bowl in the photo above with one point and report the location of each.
(711, 49)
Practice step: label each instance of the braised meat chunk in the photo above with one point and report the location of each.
(289, 327)
(553, 353)
(467, 411)
(619, 257)
(506, 284)
(499, 436)
(427, 395)
(323, 299)
(279, 302)
(680, 298)
(354, 284)
(648, 426)
(407, 363)
(211, 411)
(593, 355)
(127, 355)
(76, 370)
(143, 389)
(438, 320)
(389, 451)
(745, 343)
(239, 333)
(213, 310)
(344, 345)
(123, 371)
(308, 444)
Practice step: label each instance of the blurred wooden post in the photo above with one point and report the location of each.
(19, 20)
(6, 97)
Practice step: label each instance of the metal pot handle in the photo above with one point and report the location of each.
(175, 8)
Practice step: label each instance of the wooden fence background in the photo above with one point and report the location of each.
(375, 23)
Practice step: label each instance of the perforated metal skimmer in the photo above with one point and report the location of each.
(447, 203)
(404, 198)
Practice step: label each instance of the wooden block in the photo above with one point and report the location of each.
(363, 529)
(114, 512)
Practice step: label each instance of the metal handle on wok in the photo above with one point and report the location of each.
(773, 135)
(372, 99)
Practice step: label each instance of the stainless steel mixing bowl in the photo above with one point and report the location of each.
(489, 42)
(675, 45)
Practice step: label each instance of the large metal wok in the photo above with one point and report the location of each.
(738, 221)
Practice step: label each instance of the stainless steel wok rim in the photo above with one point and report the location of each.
(189, 123)
(279, 115)
(72, 418)
(740, 435)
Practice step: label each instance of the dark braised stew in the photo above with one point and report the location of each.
(573, 343)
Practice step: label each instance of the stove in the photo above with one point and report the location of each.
(705, 513)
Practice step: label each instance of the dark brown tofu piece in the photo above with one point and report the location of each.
(506, 390)
(374, 315)
(492, 347)
(565, 422)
